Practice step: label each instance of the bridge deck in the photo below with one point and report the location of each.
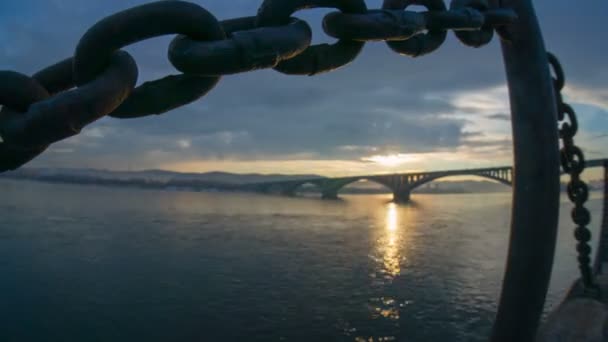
(402, 184)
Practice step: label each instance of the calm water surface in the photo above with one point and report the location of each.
(104, 264)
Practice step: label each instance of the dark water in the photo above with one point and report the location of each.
(102, 264)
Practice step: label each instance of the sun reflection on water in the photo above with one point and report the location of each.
(391, 217)
(391, 255)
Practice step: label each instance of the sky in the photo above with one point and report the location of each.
(382, 113)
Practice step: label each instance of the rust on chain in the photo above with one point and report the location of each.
(421, 43)
(247, 48)
(479, 37)
(317, 58)
(137, 24)
(391, 25)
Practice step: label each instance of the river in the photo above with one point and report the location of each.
(86, 263)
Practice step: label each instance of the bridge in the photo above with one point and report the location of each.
(401, 184)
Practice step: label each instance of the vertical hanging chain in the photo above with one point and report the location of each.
(573, 163)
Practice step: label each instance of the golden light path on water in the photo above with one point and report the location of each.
(392, 262)
(389, 256)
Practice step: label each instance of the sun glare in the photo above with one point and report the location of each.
(390, 160)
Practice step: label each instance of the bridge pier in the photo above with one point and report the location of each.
(288, 193)
(402, 196)
(329, 195)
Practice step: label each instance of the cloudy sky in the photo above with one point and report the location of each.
(382, 113)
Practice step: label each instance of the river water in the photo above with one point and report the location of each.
(85, 263)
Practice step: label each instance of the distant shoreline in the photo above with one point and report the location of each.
(229, 182)
(211, 187)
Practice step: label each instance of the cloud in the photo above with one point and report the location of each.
(585, 95)
(450, 106)
(500, 116)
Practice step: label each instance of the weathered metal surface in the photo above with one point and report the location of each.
(247, 48)
(536, 178)
(163, 95)
(28, 130)
(140, 23)
(317, 58)
(481, 36)
(154, 97)
(66, 113)
(374, 25)
(389, 25)
(422, 43)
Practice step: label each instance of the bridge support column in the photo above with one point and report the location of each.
(401, 196)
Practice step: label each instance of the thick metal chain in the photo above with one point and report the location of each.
(40, 110)
(573, 163)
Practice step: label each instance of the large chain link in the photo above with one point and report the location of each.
(26, 131)
(40, 110)
(573, 163)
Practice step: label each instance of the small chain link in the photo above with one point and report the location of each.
(206, 49)
(573, 163)
(422, 43)
(481, 36)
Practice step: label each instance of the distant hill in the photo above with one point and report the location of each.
(224, 181)
(148, 176)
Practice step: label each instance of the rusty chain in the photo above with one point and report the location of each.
(573, 164)
(99, 80)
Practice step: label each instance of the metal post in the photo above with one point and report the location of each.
(601, 256)
(535, 180)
